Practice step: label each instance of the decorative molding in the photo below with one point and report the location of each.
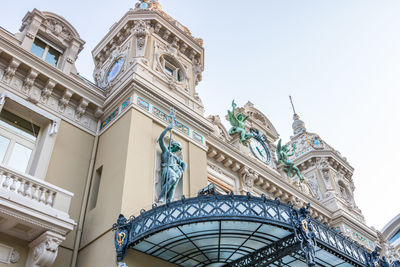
(81, 109)
(64, 100)
(43, 250)
(10, 70)
(247, 178)
(140, 31)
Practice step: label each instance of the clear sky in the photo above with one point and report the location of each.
(339, 59)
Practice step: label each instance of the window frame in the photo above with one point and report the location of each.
(48, 45)
(173, 66)
(44, 144)
(17, 138)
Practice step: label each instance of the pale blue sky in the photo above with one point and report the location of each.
(339, 59)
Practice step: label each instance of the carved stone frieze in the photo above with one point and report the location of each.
(59, 29)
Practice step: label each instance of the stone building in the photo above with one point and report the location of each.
(76, 154)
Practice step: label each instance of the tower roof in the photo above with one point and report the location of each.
(298, 125)
(154, 5)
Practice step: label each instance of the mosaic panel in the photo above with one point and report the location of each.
(197, 137)
(142, 103)
(126, 104)
(110, 118)
(165, 117)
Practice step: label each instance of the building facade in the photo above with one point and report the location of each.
(76, 154)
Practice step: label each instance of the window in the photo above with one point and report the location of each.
(172, 68)
(95, 188)
(17, 141)
(45, 51)
(395, 237)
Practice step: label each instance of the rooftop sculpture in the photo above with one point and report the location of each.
(283, 155)
(238, 123)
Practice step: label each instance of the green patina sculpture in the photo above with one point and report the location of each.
(172, 167)
(283, 157)
(238, 123)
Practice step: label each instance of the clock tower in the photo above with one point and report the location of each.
(147, 63)
(150, 47)
(329, 180)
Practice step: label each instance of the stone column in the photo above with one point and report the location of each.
(43, 250)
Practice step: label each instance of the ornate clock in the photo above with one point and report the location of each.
(259, 147)
(114, 70)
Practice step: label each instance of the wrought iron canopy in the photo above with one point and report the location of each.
(235, 230)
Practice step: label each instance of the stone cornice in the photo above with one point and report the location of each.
(39, 219)
(88, 91)
(268, 180)
(323, 154)
(145, 15)
(356, 225)
(132, 80)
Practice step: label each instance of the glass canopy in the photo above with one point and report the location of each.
(230, 230)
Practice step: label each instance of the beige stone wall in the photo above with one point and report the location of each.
(127, 153)
(111, 156)
(98, 254)
(140, 167)
(19, 245)
(69, 167)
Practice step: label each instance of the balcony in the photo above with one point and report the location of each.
(30, 207)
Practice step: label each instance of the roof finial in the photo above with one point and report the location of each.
(298, 125)
(148, 5)
(291, 101)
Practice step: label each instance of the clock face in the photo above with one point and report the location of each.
(114, 70)
(260, 150)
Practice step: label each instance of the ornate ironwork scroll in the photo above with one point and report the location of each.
(304, 232)
(269, 254)
(374, 260)
(121, 228)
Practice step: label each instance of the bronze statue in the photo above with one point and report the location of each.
(238, 122)
(283, 157)
(172, 167)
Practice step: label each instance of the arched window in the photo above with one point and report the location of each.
(395, 237)
(172, 67)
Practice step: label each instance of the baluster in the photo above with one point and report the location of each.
(43, 195)
(3, 178)
(50, 198)
(28, 189)
(35, 194)
(14, 183)
(7, 181)
(21, 188)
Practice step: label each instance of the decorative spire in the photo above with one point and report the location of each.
(298, 125)
(148, 5)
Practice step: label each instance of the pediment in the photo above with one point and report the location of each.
(258, 120)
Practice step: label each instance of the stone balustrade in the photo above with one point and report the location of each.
(25, 187)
